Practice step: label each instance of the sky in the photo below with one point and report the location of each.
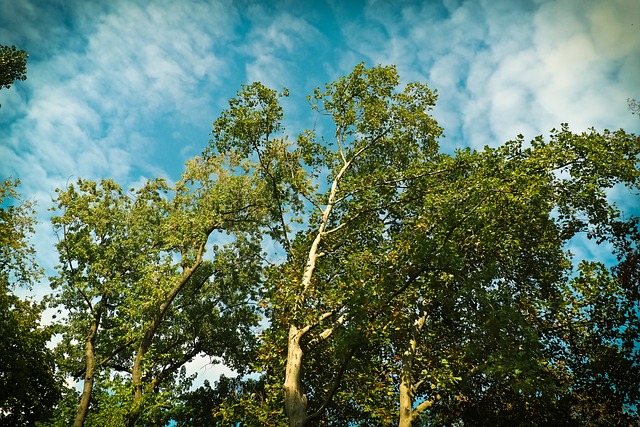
(129, 89)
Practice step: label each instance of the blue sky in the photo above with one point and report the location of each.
(128, 89)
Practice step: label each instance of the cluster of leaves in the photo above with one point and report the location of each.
(13, 65)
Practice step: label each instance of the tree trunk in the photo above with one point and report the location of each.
(407, 413)
(90, 368)
(406, 395)
(295, 400)
(136, 379)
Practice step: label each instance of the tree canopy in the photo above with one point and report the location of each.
(355, 273)
(436, 283)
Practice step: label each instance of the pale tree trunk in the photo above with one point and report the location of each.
(296, 403)
(406, 394)
(295, 400)
(406, 389)
(89, 373)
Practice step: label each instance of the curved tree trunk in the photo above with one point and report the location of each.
(89, 373)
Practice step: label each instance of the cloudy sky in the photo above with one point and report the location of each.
(128, 89)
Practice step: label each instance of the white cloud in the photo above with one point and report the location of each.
(580, 55)
(275, 46)
(504, 68)
(207, 369)
(563, 75)
(139, 61)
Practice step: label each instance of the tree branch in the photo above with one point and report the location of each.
(170, 369)
(335, 386)
(328, 331)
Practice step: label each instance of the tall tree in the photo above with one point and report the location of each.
(143, 299)
(29, 385)
(380, 137)
(504, 302)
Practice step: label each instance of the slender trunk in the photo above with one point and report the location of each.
(137, 369)
(406, 393)
(295, 400)
(136, 379)
(407, 413)
(90, 367)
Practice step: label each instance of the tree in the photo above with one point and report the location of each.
(29, 385)
(375, 128)
(13, 65)
(142, 298)
(17, 264)
(429, 282)
(508, 315)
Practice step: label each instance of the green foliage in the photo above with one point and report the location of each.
(29, 384)
(229, 403)
(133, 271)
(13, 65)
(17, 267)
(444, 274)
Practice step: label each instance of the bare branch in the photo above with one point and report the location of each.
(322, 336)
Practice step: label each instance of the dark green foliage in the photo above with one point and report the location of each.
(204, 406)
(29, 385)
(13, 65)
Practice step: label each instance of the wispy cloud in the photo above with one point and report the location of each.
(504, 68)
(138, 61)
(277, 47)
